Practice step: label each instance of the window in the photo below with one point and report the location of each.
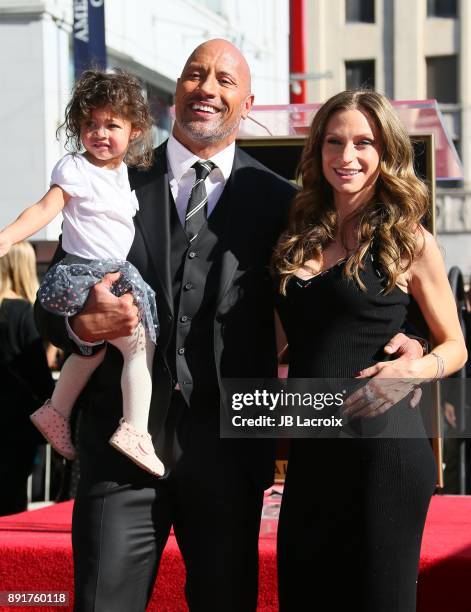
(442, 84)
(442, 78)
(360, 11)
(441, 8)
(360, 74)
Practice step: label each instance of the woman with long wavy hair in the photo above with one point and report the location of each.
(24, 374)
(354, 255)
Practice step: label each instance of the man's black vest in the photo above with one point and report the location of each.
(195, 271)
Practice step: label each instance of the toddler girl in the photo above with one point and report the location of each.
(108, 118)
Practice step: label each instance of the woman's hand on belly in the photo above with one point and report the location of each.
(389, 383)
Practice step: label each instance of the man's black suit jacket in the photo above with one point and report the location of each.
(244, 337)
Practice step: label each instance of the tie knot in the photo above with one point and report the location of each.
(203, 168)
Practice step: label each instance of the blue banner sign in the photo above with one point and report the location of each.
(89, 35)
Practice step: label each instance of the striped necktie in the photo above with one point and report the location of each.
(195, 216)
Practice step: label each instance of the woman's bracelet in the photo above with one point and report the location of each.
(440, 364)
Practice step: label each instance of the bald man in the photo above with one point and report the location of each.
(214, 298)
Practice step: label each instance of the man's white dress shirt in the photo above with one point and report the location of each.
(182, 176)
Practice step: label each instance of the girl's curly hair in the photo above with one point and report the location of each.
(120, 91)
(391, 219)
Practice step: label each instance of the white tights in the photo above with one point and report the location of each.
(136, 378)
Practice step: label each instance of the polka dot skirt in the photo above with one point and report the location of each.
(65, 288)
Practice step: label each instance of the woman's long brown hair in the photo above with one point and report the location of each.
(392, 217)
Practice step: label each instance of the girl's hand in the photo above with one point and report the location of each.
(390, 382)
(5, 244)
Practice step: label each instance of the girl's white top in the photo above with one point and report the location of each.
(98, 218)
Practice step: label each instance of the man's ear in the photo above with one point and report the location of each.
(247, 106)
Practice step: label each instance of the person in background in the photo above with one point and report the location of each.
(25, 378)
(467, 324)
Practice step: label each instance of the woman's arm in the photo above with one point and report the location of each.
(428, 284)
(33, 218)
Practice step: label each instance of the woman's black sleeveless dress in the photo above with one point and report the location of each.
(353, 509)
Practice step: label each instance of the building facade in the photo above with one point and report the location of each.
(150, 38)
(408, 50)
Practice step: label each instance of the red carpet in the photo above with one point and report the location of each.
(35, 554)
